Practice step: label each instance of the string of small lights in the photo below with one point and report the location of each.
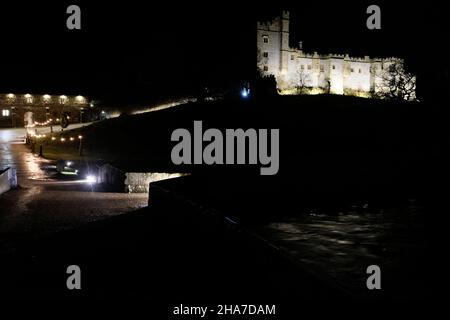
(45, 123)
(62, 139)
(39, 124)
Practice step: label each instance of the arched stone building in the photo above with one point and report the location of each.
(18, 110)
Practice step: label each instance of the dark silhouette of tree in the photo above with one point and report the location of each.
(396, 83)
(263, 86)
(328, 85)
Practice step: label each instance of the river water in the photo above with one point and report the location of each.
(341, 246)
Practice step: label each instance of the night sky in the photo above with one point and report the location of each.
(134, 47)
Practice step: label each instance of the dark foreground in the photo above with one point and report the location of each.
(178, 251)
(352, 190)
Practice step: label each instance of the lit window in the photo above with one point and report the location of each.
(28, 98)
(80, 99)
(63, 99)
(265, 54)
(10, 96)
(46, 98)
(5, 112)
(265, 39)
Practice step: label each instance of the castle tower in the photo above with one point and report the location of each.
(284, 45)
(269, 42)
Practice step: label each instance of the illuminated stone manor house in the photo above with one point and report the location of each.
(296, 71)
(19, 110)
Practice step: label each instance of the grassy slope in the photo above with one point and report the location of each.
(327, 142)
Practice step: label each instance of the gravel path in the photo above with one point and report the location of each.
(45, 204)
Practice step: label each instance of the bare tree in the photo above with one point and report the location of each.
(302, 81)
(396, 83)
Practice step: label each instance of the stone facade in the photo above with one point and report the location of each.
(132, 182)
(18, 110)
(299, 72)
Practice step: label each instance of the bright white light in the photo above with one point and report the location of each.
(244, 93)
(63, 99)
(69, 173)
(69, 163)
(91, 179)
(28, 98)
(79, 98)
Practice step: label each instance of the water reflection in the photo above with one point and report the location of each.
(29, 167)
(343, 245)
(33, 167)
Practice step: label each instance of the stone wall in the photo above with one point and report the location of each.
(8, 180)
(139, 181)
(132, 182)
(112, 177)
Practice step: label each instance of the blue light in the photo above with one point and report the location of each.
(245, 92)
